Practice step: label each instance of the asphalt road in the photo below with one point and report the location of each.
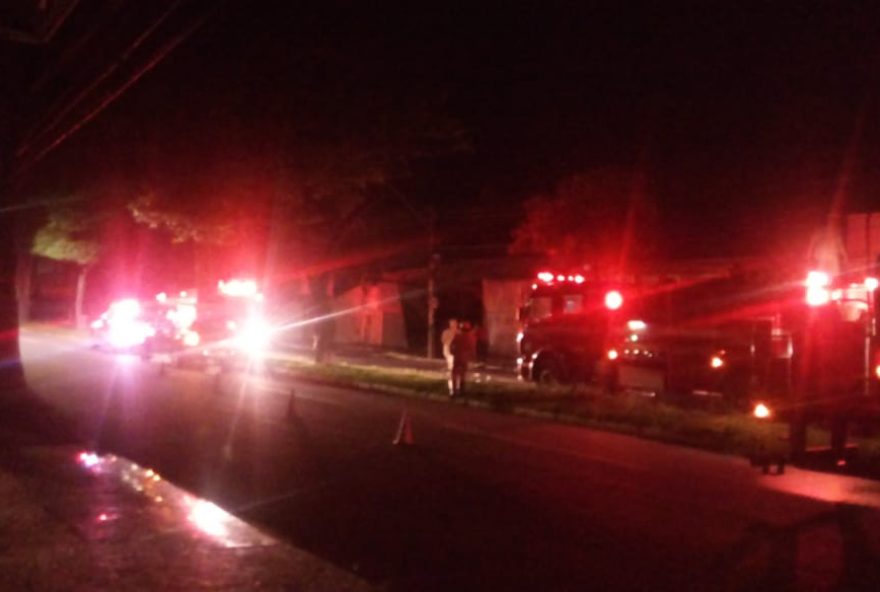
(482, 501)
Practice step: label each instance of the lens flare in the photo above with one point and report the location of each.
(761, 411)
(613, 300)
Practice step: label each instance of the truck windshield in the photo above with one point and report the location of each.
(542, 306)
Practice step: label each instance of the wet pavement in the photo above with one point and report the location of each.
(72, 519)
(481, 501)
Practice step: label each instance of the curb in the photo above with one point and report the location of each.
(516, 410)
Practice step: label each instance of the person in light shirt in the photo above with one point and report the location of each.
(446, 338)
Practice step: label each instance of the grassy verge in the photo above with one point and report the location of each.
(715, 429)
(727, 432)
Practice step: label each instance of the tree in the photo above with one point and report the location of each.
(55, 85)
(69, 235)
(302, 180)
(604, 218)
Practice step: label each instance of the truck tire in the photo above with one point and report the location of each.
(549, 372)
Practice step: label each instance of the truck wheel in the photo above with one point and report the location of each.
(549, 374)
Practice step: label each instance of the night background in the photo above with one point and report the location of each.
(745, 119)
(239, 237)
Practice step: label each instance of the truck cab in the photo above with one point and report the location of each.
(565, 326)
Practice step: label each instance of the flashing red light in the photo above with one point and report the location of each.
(560, 278)
(761, 411)
(818, 279)
(817, 284)
(88, 459)
(579, 279)
(255, 336)
(546, 277)
(124, 329)
(238, 288)
(636, 325)
(877, 371)
(613, 300)
(128, 308)
(716, 362)
(612, 354)
(872, 283)
(818, 296)
(191, 339)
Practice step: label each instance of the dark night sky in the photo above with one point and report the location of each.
(741, 114)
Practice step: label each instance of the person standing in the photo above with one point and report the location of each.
(463, 351)
(446, 338)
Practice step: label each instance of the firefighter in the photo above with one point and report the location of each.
(463, 350)
(446, 338)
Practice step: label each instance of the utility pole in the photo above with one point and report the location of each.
(433, 258)
(432, 272)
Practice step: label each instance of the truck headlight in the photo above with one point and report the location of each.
(254, 336)
(191, 338)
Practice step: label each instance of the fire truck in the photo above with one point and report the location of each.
(224, 327)
(566, 324)
(126, 325)
(722, 336)
(836, 369)
(800, 347)
(221, 327)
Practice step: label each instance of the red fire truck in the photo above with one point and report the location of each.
(223, 327)
(566, 325)
(802, 349)
(835, 368)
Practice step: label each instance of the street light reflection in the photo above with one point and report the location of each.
(88, 459)
(185, 510)
(826, 487)
(208, 518)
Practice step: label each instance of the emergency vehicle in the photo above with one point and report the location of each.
(723, 336)
(223, 326)
(126, 325)
(836, 369)
(800, 348)
(566, 324)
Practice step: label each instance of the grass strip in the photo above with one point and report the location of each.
(713, 430)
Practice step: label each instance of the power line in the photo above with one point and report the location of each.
(34, 137)
(157, 58)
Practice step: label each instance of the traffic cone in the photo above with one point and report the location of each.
(404, 435)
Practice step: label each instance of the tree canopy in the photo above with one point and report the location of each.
(604, 218)
(303, 175)
(68, 235)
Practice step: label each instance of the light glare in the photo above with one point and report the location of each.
(191, 339)
(818, 279)
(762, 411)
(818, 296)
(613, 300)
(208, 518)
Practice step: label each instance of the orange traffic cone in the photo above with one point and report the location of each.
(404, 435)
